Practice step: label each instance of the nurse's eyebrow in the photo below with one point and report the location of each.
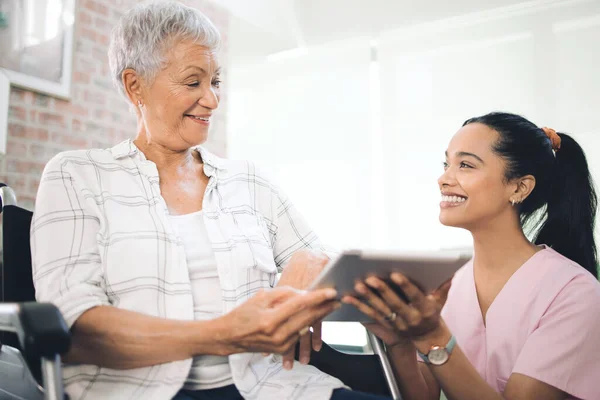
(467, 154)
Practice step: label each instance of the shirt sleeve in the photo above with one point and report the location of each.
(292, 232)
(67, 270)
(563, 350)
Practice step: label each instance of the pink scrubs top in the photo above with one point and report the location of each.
(545, 323)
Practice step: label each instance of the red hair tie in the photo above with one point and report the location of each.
(554, 137)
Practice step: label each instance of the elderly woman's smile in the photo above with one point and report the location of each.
(200, 119)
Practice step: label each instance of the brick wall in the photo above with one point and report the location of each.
(40, 126)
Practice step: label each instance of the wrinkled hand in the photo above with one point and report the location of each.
(398, 321)
(300, 273)
(271, 321)
(302, 269)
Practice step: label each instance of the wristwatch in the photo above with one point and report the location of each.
(439, 355)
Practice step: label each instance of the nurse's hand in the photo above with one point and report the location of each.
(397, 320)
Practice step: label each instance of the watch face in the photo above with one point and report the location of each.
(438, 355)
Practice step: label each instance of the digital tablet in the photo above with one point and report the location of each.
(427, 270)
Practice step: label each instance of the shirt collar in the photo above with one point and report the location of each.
(128, 149)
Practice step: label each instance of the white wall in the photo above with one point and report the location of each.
(313, 119)
(306, 120)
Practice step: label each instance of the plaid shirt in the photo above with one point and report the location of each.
(101, 236)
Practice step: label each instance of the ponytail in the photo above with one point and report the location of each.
(571, 207)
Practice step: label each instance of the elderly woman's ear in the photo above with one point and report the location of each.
(132, 83)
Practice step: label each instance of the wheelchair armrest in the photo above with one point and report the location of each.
(43, 333)
(41, 329)
(7, 196)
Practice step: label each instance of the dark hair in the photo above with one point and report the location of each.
(561, 209)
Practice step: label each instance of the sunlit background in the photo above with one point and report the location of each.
(348, 104)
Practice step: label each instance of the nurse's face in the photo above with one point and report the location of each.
(474, 190)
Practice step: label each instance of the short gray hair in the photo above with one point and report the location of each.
(144, 33)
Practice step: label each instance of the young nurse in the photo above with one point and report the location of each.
(522, 319)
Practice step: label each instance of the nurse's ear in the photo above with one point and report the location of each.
(523, 188)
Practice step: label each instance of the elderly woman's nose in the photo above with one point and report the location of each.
(210, 99)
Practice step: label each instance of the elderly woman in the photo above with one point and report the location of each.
(162, 257)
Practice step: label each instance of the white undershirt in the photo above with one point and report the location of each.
(207, 371)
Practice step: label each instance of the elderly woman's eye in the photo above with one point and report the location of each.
(216, 83)
(193, 84)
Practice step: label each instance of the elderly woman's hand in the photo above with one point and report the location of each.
(397, 320)
(300, 273)
(303, 269)
(273, 321)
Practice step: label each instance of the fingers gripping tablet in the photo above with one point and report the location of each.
(426, 270)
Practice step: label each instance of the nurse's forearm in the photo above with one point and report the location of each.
(412, 382)
(457, 377)
(460, 380)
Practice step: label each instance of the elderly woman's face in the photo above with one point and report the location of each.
(180, 102)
